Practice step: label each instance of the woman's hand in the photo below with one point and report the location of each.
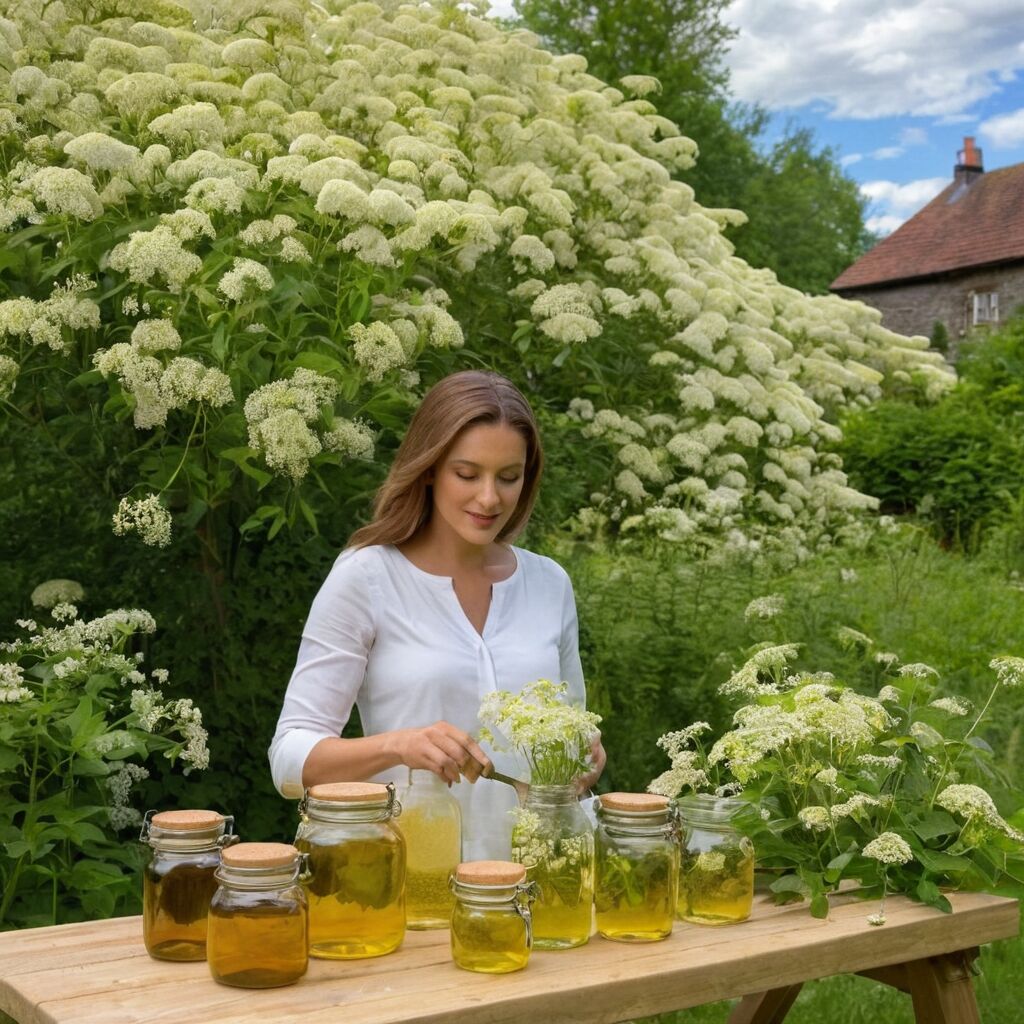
(443, 749)
(598, 758)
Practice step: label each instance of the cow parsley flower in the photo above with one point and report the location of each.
(244, 277)
(977, 807)
(57, 591)
(1009, 670)
(765, 608)
(101, 152)
(377, 349)
(352, 438)
(889, 848)
(147, 517)
(157, 253)
(151, 336)
(955, 706)
(65, 191)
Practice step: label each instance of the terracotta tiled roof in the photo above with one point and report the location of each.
(966, 225)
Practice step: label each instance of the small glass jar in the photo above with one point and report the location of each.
(178, 880)
(554, 839)
(636, 867)
(492, 930)
(258, 931)
(432, 826)
(716, 871)
(356, 865)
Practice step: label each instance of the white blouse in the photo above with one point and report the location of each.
(393, 640)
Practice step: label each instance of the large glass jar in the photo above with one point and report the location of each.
(491, 926)
(636, 867)
(432, 825)
(258, 931)
(178, 880)
(554, 840)
(716, 872)
(356, 882)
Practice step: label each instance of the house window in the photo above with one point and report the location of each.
(986, 308)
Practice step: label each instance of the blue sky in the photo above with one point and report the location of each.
(892, 85)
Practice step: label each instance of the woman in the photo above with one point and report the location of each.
(429, 609)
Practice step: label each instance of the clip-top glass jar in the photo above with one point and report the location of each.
(178, 881)
(356, 880)
(553, 838)
(716, 873)
(258, 932)
(636, 867)
(432, 825)
(491, 924)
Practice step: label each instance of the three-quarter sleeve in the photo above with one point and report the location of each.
(569, 646)
(329, 671)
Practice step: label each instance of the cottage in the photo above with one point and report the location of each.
(958, 262)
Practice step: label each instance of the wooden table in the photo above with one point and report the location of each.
(99, 973)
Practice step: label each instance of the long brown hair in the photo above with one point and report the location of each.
(460, 400)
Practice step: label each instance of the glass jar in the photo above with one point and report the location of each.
(554, 840)
(258, 931)
(356, 869)
(491, 927)
(432, 826)
(636, 867)
(716, 871)
(178, 880)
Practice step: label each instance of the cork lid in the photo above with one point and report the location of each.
(259, 855)
(349, 792)
(490, 872)
(636, 803)
(186, 821)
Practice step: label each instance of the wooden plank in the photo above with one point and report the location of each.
(100, 974)
(767, 1007)
(942, 989)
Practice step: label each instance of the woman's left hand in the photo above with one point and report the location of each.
(598, 758)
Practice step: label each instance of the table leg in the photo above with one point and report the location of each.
(765, 1007)
(942, 988)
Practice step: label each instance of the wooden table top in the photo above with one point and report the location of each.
(99, 972)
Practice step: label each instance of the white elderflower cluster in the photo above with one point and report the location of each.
(955, 706)
(889, 848)
(100, 152)
(279, 415)
(245, 278)
(120, 782)
(1009, 670)
(51, 593)
(12, 688)
(377, 349)
(150, 255)
(977, 807)
(765, 608)
(351, 438)
(768, 661)
(148, 517)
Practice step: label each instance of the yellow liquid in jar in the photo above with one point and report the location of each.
(433, 851)
(635, 898)
(489, 941)
(715, 887)
(175, 903)
(557, 925)
(258, 947)
(356, 897)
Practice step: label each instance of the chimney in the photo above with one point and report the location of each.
(968, 163)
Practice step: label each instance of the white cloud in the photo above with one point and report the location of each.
(888, 153)
(892, 203)
(1004, 130)
(874, 58)
(850, 159)
(913, 137)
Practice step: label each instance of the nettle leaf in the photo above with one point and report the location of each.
(934, 824)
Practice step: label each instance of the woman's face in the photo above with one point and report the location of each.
(476, 486)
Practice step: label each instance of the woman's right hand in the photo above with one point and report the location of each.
(443, 749)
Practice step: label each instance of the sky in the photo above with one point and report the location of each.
(892, 86)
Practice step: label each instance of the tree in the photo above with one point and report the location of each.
(806, 218)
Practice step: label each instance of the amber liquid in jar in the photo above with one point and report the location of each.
(356, 897)
(635, 899)
(175, 902)
(489, 942)
(716, 887)
(257, 946)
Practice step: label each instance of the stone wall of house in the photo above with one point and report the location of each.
(914, 308)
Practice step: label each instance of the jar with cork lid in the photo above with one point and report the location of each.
(258, 926)
(178, 881)
(636, 867)
(492, 928)
(356, 869)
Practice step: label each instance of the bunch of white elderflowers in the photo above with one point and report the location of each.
(854, 786)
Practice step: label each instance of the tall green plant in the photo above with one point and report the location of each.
(78, 721)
